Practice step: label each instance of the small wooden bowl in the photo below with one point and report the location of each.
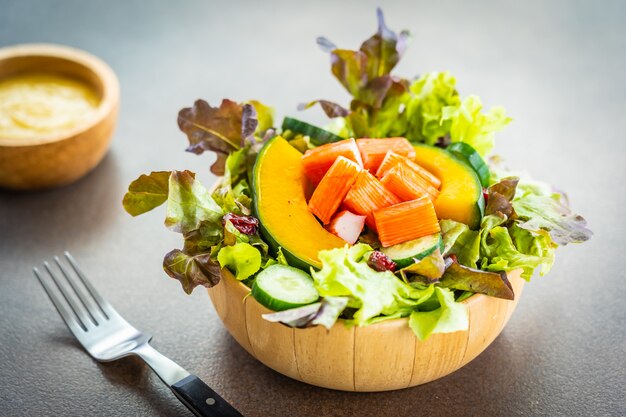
(61, 157)
(380, 357)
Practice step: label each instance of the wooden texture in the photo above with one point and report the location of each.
(322, 363)
(229, 301)
(381, 357)
(59, 158)
(272, 343)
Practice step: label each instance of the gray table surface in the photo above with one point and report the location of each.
(558, 67)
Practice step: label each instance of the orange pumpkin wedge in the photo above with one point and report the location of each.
(406, 221)
(461, 194)
(408, 184)
(368, 194)
(333, 188)
(373, 151)
(392, 158)
(317, 161)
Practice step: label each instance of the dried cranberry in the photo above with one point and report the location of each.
(485, 195)
(381, 262)
(453, 257)
(245, 224)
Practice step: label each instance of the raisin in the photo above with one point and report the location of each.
(247, 225)
(381, 262)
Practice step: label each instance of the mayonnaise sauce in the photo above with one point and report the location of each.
(34, 105)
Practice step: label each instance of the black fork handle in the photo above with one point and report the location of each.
(201, 399)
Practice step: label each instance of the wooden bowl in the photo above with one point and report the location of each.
(380, 357)
(62, 157)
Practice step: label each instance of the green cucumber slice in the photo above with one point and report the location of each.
(281, 287)
(318, 136)
(407, 253)
(473, 158)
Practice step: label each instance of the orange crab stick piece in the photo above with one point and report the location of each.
(333, 188)
(392, 158)
(317, 161)
(368, 194)
(406, 183)
(373, 151)
(406, 221)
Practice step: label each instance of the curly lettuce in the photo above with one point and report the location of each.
(378, 296)
(469, 124)
(432, 93)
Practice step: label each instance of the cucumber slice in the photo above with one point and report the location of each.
(318, 136)
(281, 287)
(407, 253)
(469, 155)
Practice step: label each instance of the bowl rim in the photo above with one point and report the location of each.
(110, 87)
(476, 298)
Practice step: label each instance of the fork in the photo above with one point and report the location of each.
(107, 337)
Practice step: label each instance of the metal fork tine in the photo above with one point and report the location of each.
(65, 314)
(85, 301)
(102, 303)
(78, 311)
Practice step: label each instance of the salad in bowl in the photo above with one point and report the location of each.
(394, 212)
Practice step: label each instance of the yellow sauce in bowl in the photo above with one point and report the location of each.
(36, 105)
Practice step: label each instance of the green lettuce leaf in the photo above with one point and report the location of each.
(146, 192)
(498, 248)
(461, 241)
(232, 193)
(469, 124)
(459, 277)
(264, 117)
(189, 204)
(500, 253)
(431, 94)
(449, 317)
(204, 238)
(243, 259)
(190, 270)
(540, 212)
(430, 267)
(345, 273)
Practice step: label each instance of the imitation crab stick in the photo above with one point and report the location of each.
(347, 226)
(317, 161)
(408, 184)
(333, 188)
(392, 158)
(406, 221)
(368, 194)
(373, 151)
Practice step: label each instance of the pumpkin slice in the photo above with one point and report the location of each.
(281, 207)
(461, 194)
